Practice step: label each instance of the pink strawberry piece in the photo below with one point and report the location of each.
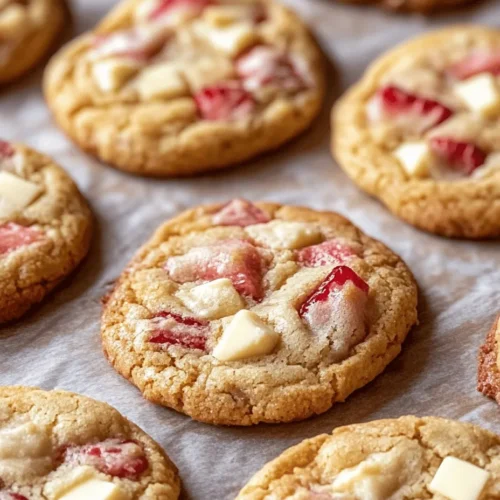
(179, 330)
(240, 213)
(14, 236)
(116, 457)
(236, 260)
(326, 253)
(7, 495)
(226, 101)
(6, 150)
(263, 65)
(464, 157)
(395, 102)
(166, 7)
(476, 63)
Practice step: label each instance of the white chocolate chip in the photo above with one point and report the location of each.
(162, 81)
(206, 71)
(459, 480)
(481, 94)
(15, 193)
(95, 489)
(246, 336)
(111, 74)
(58, 487)
(213, 300)
(284, 234)
(415, 158)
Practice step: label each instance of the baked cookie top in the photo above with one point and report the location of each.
(407, 458)
(174, 87)
(488, 380)
(424, 6)
(57, 445)
(45, 227)
(421, 130)
(244, 313)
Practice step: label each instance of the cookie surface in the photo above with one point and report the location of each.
(421, 132)
(172, 88)
(28, 29)
(488, 377)
(45, 228)
(400, 458)
(55, 444)
(244, 313)
(424, 6)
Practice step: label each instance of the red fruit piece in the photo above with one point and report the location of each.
(478, 62)
(326, 253)
(240, 213)
(14, 236)
(236, 260)
(116, 457)
(6, 150)
(263, 65)
(395, 102)
(174, 329)
(7, 495)
(464, 157)
(226, 101)
(165, 7)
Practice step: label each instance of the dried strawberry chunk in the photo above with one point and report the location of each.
(237, 260)
(226, 101)
(326, 253)
(14, 236)
(165, 7)
(6, 150)
(478, 62)
(174, 329)
(395, 102)
(240, 213)
(263, 65)
(464, 157)
(116, 457)
(7, 495)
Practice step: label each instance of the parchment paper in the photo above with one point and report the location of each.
(58, 344)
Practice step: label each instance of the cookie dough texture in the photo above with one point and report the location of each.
(422, 6)
(59, 420)
(293, 383)
(488, 377)
(166, 136)
(35, 32)
(467, 208)
(400, 458)
(62, 217)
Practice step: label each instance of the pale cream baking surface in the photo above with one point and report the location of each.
(435, 373)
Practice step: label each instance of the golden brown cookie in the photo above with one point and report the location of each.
(172, 88)
(422, 6)
(244, 313)
(410, 458)
(488, 375)
(45, 228)
(58, 445)
(28, 30)
(421, 132)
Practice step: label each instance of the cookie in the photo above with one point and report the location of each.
(58, 445)
(488, 375)
(410, 458)
(421, 132)
(174, 88)
(244, 313)
(422, 6)
(28, 30)
(45, 228)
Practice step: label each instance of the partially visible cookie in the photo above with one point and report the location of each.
(45, 228)
(244, 313)
(421, 132)
(488, 375)
(57, 445)
(422, 6)
(178, 87)
(408, 458)
(28, 29)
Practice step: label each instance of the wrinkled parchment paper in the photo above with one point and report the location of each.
(57, 345)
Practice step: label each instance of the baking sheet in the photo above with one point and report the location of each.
(58, 344)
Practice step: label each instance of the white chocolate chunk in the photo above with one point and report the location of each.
(206, 71)
(144, 9)
(231, 40)
(16, 193)
(222, 15)
(246, 336)
(284, 234)
(58, 487)
(13, 21)
(162, 81)
(481, 94)
(111, 74)
(213, 300)
(459, 480)
(95, 489)
(414, 158)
